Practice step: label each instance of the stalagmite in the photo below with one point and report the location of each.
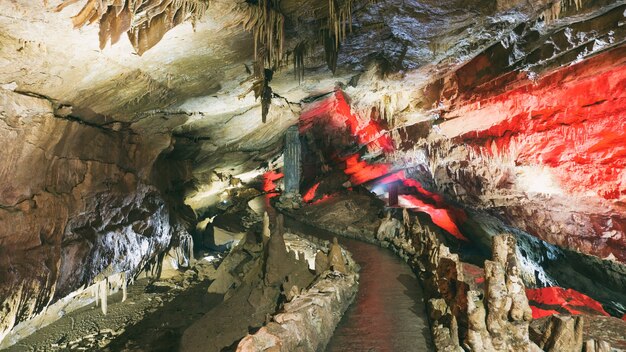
(321, 262)
(104, 292)
(96, 293)
(266, 228)
(406, 219)
(335, 257)
(276, 255)
(592, 345)
(124, 286)
(508, 312)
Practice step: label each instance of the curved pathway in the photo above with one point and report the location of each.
(389, 311)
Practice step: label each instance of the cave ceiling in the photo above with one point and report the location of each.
(195, 82)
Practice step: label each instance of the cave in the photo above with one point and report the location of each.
(323, 175)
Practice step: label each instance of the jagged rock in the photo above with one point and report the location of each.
(321, 262)
(277, 257)
(307, 322)
(335, 257)
(508, 312)
(563, 333)
(478, 338)
(444, 326)
(389, 228)
(592, 345)
(406, 219)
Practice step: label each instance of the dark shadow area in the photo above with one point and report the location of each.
(161, 330)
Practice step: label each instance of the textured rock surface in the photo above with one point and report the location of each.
(79, 200)
(101, 144)
(307, 322)
(255, 279)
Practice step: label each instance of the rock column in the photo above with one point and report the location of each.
(292, 161)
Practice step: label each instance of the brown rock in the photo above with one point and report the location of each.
(335, 257)
(321, 262)
(563, 333)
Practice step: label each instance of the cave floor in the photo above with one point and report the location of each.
(152, 318)
(388, 313)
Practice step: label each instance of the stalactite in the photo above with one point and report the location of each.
(267, 26)
(299, 53)
(184, 251)
(145, 21)
(331, 49)
(553, 12)
(339, 17)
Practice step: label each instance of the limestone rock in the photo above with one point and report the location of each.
(563, 333)
(321, 262)
(335, 257)
(277, 258)
(266, 228)
(389, 229)
(592, 345)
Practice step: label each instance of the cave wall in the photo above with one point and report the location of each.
(546, 155)
(76, 201)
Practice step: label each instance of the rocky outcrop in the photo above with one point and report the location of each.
(254, 279)
(494, 320)
(464, 317)
(307, 322)
(79, 200)
(563, 334)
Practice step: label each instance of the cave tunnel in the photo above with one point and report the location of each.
(323, 175)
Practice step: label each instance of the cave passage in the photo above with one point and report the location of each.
(389, 312)
(308, 175)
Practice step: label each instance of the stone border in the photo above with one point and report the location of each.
(308, 321)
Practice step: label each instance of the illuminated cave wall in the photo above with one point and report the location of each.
(546, 155)
(539, 156)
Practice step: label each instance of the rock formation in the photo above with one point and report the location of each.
(79, 201)
(496, 320)
(563, 334)
(253, 277)
(336, 261)
(490, 117)
(266, 228)
(389, 229)
(321, 262)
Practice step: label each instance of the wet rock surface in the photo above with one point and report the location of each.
(262, 275)
(475, 309)
(79, 202)
(152, 318)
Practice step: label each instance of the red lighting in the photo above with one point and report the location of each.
(310, 194)
(550, 300)
(572, 120)
(441, 217)
(268, 180)
(336, 115)
(361, 172)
